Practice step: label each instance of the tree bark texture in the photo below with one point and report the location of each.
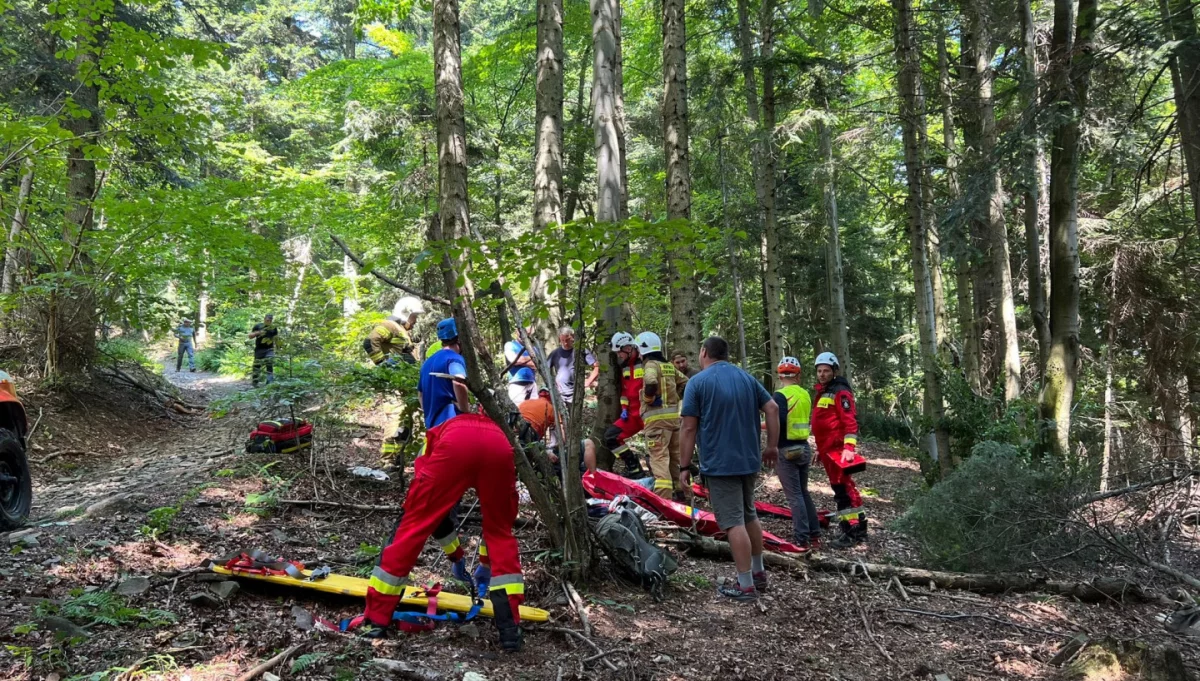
(1070, 61)
(14, 255)
(839, 333)
(962, 252)
(1035, 206)
(579, 136)
(732, 249)
(1179, 15)
(989, 204)
(71, 332)
(548, 135)
(451, 223)
(912, 108)
(772, 289)
(608, 122)
(685, 318)
(762, 156)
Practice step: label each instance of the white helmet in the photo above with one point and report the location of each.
(788, 366)
(648, 342)
(620, 339)
(406, 306)
(828, 358)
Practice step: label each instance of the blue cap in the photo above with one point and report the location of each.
(447, 329)
(522, 375)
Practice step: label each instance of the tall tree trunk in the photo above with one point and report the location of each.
(202, 303)
(685, 319)
(548, 138)
(772, 289)
(733, 251)
(991, 201)
(1034, 176)
(302, 254)
(839, 333)
(71, 336)
(1179, 16)
(452, 223)
(579, 140)
(762, 158)
(350, 304)
(982, 283)
(912, 108)
(14, 255)
(1070, 62)
(962, 247)
(608, 123)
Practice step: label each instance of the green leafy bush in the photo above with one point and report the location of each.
(994, 513)
(882, 427)
(127, 350)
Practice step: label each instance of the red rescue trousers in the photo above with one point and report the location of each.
(468, 451)
(847, 496)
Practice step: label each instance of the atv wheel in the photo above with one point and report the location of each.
(16, 484)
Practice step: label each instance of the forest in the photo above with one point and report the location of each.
(988, 211)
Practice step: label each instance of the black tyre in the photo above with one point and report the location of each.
(16, 485)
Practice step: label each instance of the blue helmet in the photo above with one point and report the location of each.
(447, 329)
(522, 375)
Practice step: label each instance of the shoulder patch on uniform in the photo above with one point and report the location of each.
(846, 402)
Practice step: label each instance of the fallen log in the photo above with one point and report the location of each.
(1098, 590)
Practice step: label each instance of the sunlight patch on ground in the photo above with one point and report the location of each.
(234, 521)
(904, 464)
(146, 556)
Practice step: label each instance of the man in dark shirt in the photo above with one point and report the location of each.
(680, 360)
(264, 335)
(562, 365)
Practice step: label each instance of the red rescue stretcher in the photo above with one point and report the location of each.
(604, 485)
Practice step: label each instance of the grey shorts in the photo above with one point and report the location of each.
(732, 499)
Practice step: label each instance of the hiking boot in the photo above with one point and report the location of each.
(733, 591)
(760, 582)
(193, 370)
(860, 528)
(506, 623)
(633, 467)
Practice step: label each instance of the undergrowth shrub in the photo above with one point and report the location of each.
(883, 427)
(995, 512)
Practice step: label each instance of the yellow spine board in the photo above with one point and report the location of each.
(357, 587)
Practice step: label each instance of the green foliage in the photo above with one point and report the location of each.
(158, 521)
(103, 608)
(995, 512)
(126, 350)
(307, 661)
(971, 419)
(883, 427)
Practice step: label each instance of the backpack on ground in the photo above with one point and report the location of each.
(281, 436)
(623, 537)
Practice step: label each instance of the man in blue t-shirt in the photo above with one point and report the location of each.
(720, 410)
(442, 397)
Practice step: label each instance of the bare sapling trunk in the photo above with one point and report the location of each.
(1070, 63)
(732, 250)
(839, 332)
(912, 108)
(685, 318)
(13, 254)
(452, 223)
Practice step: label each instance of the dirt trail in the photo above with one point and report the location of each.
(151, 468)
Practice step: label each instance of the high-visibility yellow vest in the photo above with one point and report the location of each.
(799, 411)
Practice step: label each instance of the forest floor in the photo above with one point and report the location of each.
(134, 502)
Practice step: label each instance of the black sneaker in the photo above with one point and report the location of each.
(733, 591)
(506, 624)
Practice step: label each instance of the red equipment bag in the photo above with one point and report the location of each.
(856, 465)
(281, 436)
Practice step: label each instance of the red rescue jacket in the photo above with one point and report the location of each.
(631, 386)
(834, 418)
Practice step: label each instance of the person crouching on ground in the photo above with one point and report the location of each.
(795, 457)
(835, 429)
(720, 411)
